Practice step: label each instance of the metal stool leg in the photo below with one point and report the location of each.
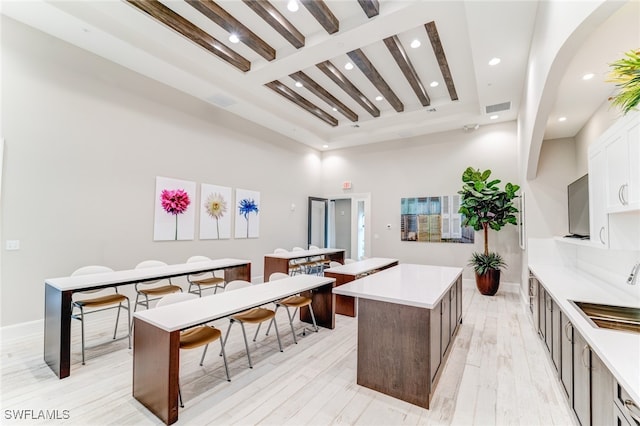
(272, 320)
(82, 331)
(275, 325)
(291, 324)
(246, 344)
(224, 357)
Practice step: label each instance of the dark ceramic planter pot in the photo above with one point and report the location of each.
(489, 282)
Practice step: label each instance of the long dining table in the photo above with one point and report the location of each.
(59, 292)
(346, 305)
(156, 341)
(280, 262)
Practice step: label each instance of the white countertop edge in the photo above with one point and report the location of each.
(237, 302)
(355, 288)
(609, 345)
(361, 266)
(304, 253)
(130, 276)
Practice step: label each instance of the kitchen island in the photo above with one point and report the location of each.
(408, 316)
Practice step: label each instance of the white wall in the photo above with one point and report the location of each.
(85, 139)
(427, 166)
(561, 27)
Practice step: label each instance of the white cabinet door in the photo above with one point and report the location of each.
(623, 172)
(633, 140)
(598, 219)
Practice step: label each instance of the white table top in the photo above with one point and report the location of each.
(179, 316)
(129, 276)
(361, 266)
(303, 253)
(414, 285)
(619, 350)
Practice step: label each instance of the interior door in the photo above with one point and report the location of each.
(318, 221)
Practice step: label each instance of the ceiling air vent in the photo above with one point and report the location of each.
(490, 109)
(220, 100)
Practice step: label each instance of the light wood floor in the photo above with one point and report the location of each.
(497, 374)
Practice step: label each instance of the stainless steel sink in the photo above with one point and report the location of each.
(612, 317)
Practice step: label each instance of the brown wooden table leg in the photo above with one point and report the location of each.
(345, 305)
(57, 330)
(324, 306)
(242, 272)
(156, 365)
(274, 264)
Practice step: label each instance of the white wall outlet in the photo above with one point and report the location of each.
(13, 245)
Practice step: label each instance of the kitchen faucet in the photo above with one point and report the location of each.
(633, 276)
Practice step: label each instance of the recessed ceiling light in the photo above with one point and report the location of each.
(494, 117)
(588, 76)
(494, 61)
(379, 98)
(415, 43)
(348, 66)
(325, 146)
(334, 108)
(562, 119)
(434, 84)
(298, 84)
(292, 5)
(233, 38)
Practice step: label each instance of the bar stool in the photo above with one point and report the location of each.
(195, 337)
(152, 288)
(98, 303)
(251, 316)
(296, 302)
(201, 281)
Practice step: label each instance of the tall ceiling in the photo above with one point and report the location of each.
(287, 70)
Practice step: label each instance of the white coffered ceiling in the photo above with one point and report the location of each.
(470, 34)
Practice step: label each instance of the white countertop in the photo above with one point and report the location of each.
(303, 253)
(619, 350)
(129, 276)
(414, 285)
(361, 266)
(179, 316)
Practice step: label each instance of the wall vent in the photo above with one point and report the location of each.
(504, 106)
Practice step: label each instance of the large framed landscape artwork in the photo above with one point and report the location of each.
(433, 219)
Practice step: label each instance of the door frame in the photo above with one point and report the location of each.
(366, 197)
(326, 219)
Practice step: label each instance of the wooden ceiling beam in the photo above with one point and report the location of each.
(438, 50)
(350, 89)
(277, 21)
(400, 55)
(169, 18)
(322, 13)
(294, 97)
(370, 7)
(217, 14)
(360, 59)
(323, 94)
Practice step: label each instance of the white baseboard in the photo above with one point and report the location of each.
(19, 330)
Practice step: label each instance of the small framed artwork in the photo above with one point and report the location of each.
(216, 209)
(247, 214)
(174, 214)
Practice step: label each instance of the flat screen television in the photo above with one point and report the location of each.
(578, 202)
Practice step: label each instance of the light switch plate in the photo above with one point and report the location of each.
(13, 245)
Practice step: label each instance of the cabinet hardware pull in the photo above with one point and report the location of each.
(600, 235)
(566, 331)
(628, 404)
(621, 194)
(585, 364)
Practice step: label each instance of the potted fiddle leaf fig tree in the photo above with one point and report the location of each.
(485, 206)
